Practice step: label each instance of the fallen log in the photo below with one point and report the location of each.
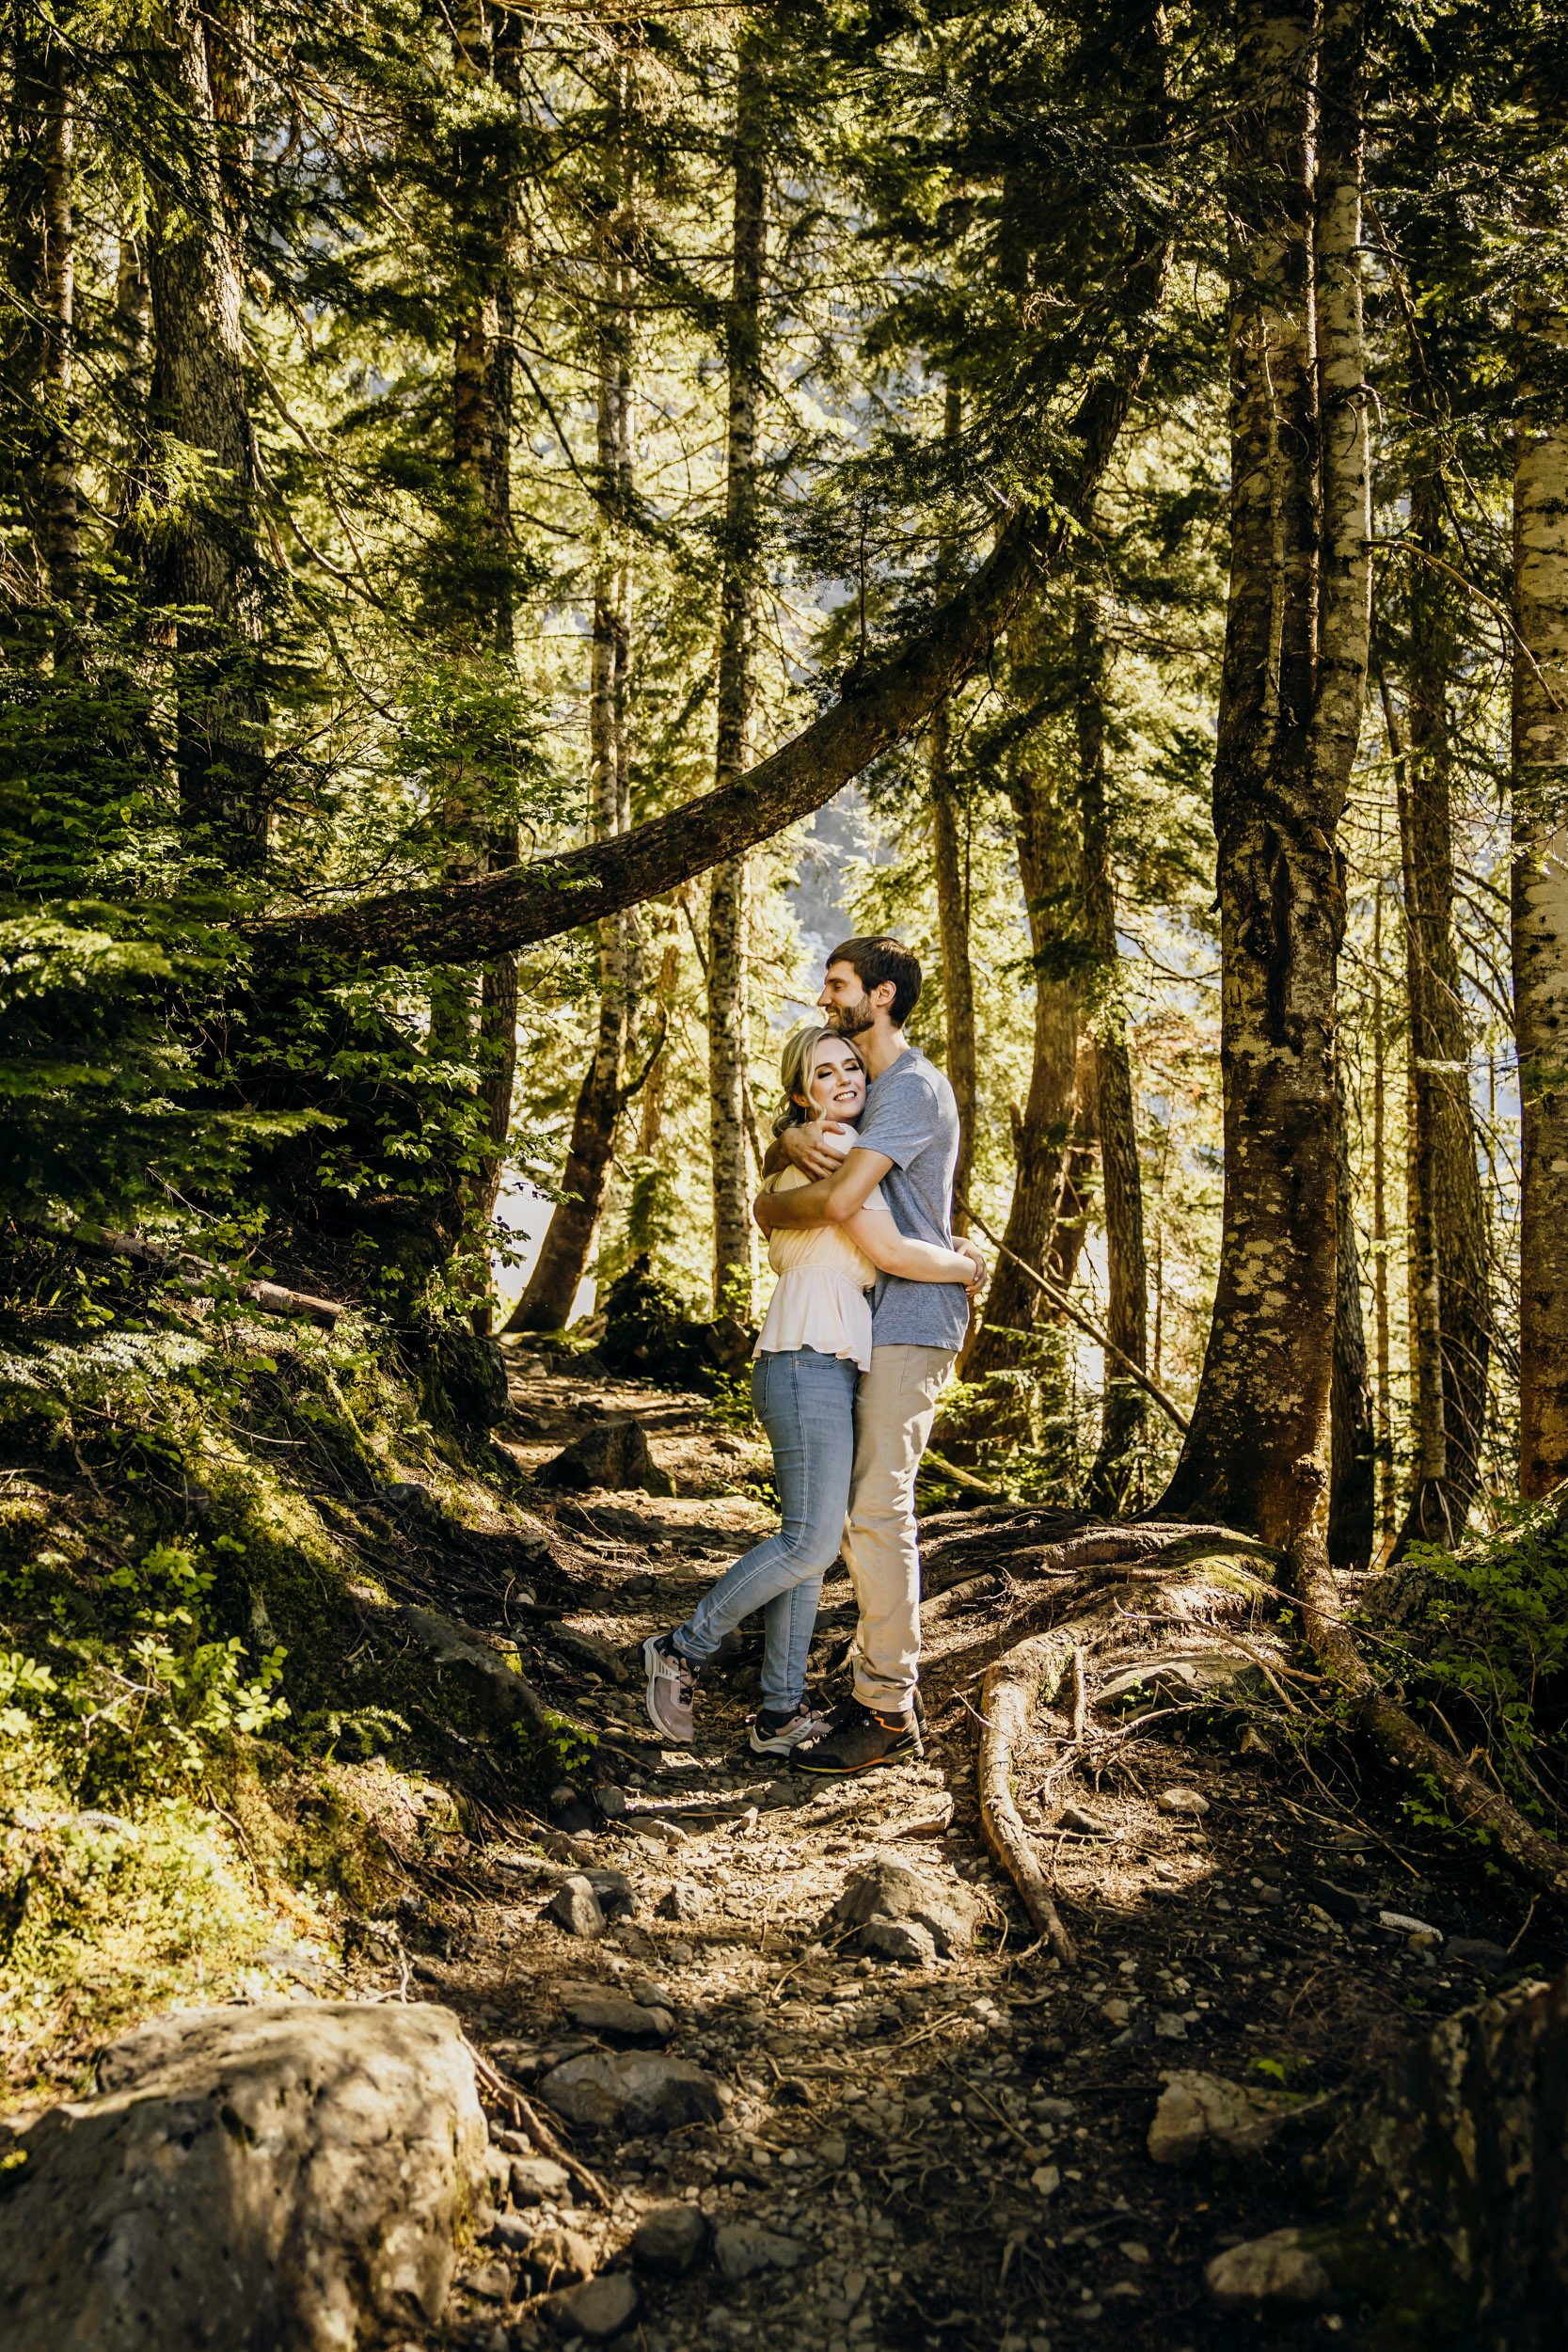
(202, 1280)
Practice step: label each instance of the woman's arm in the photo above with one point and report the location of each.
(893, 1252)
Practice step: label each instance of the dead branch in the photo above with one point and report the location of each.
(203, 1280)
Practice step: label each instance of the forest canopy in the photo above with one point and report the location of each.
(478, 480)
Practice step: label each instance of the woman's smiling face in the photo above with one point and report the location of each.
(836, 1088)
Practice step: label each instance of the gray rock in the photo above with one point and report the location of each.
(576, 1907)
(559, 2254)
(613, 1453)
(1403, 1924)
(589, 1650)
(493, 2282)
(536, 2178)
(1169, 2027)
(331, 2150)
(611, 1800)
(898, 1939)
(670, 2238)
(636, 2090)
(1474, 1952)
(1218, 1675)
(1194, 2108)
(614, 1892)
(492, 1684)
(741, 2249)
(612, 2013)
(889, 1889)
(512, 2231)
(1054, 2110)
(1084, 1824)
(1183, 1802)
(1280, 2268)
(1340, 1902)
(683, 1901)
(597, 2311)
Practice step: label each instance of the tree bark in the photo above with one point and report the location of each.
(1257, 1453)
(1540, 892)
(1385, 1500)
(950, 862)
(1123, 1408)
(1048, 865)
(42, 193)
(207, 555)
(1351, 1441)
(733, 1254)
(559, 1269)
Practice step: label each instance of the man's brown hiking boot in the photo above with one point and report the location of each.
(857, 1742)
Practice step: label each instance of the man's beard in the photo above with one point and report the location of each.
(852, 1020)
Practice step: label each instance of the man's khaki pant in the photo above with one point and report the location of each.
(896, 1404)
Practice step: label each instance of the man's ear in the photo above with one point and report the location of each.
(883, 995)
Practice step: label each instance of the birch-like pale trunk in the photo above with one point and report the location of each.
(1540, 890)
(1385, 1497)
(205, 557)
(1124, 1406)
(1258, 1452)
(1352, 1445)
(734, 1235)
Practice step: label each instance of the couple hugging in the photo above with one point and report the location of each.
(855, 1199)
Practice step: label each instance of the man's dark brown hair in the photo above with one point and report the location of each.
(874, 961)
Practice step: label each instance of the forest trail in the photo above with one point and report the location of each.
(955, 2154)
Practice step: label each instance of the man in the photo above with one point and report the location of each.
(908, 1142)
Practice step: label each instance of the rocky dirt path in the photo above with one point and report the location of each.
(951, 2150)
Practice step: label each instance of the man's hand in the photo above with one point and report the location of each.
(980, 1274)
(803, 1147)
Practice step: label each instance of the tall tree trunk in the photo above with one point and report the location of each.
(1124, 1406)
(1449, 1270)
(474, 1015)
(207, 553)
(733, 1248)
(1049, 862)
(1385, 1497)
(1258, 1452)
(562, 1260)
(130, 343)
(55, 297)
(1351, 1441)
(1539, 891)
(950, 861)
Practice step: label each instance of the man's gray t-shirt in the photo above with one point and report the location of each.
(912, 1118)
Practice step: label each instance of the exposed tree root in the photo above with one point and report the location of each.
(1012, 1683)
(1046, 1551)
(1401, 1742)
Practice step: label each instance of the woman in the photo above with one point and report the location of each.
(814, 1344)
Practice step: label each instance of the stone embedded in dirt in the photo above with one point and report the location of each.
(832, 2149)
(1045, 2180)
(611, 1800)
(612, 2013)
(887, 1889)
(1084, 1824)
(898, 1939)
(597, 2311)
(742, 2248)
(1116, 2013)
(1280, 2268)
(576, 1907)
(330, 2149)
(613, 1453)
(683, 1901)
(536, 2178)
(496, 1689)
(1216, 1674)
(1169, 2027)
(491, 2282)
(1185, 1801)
(1474, 1952)
(589, 1650)
(512, 2231)
(1340, 1902)
(559, 2254)
(636, 2090)
(670, 2238)
(1194, 2108)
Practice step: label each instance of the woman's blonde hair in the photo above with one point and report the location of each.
(794, 1067)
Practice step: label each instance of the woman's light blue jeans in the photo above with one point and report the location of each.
(806, 1402)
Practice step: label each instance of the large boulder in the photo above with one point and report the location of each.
(287, 2178)
(892, 1891)
(614, 1454)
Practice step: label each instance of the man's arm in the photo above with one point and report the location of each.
(831, 1200)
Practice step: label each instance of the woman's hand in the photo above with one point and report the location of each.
(804, 1146)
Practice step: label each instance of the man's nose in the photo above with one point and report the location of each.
(824, 1001)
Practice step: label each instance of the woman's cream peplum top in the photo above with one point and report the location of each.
(821, 1298)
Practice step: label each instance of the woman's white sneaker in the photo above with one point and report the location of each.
(776, 1735)
(672, 1688)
